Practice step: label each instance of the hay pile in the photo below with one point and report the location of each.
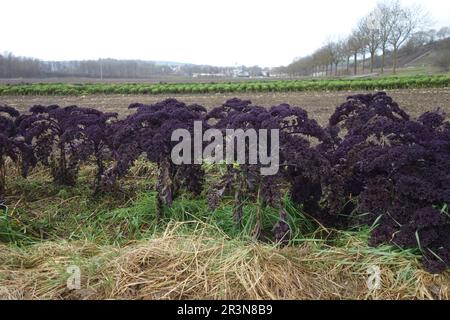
(199, 265)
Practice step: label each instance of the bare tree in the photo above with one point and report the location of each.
(332, 54)
(442, 58)
(405, 22)
(388, 27)
(363, 43)
(431, 35)
(355, 45)
(339, 54)
(383, 14)
(324, 58)
(369, 28)
(443, 33)
(347, 51)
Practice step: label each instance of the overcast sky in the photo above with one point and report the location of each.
(225, 32)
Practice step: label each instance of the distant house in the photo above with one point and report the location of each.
(240, 73)
(243, 74)
(208, 75)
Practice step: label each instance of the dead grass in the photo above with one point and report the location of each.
(205, 264)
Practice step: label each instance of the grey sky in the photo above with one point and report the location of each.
(268, 33)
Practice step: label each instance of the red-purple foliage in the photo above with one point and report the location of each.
(148, 131)
(372, 165)
(62, 138)
(397, 170)
(299, 159)
(12, 145)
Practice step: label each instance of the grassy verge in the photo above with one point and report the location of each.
(194, 253)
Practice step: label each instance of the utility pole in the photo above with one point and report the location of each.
(101, 69)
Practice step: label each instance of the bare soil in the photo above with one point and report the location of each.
(318, 104)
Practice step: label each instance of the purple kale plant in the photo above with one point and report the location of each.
(298, 158)
(12, 145)
(60, 138)
(98, 137)
(398, 171)
(148, 131)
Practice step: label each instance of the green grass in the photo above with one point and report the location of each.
(388, 82)
(39, 210)
(78, 216)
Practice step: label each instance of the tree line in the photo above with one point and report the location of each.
(385, 30)
(12, 66)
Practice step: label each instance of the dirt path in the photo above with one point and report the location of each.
(319, 104)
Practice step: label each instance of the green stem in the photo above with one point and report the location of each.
(238, 203)
(2, 178)
(257, 230)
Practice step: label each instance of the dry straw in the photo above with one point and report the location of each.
(208, 265)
